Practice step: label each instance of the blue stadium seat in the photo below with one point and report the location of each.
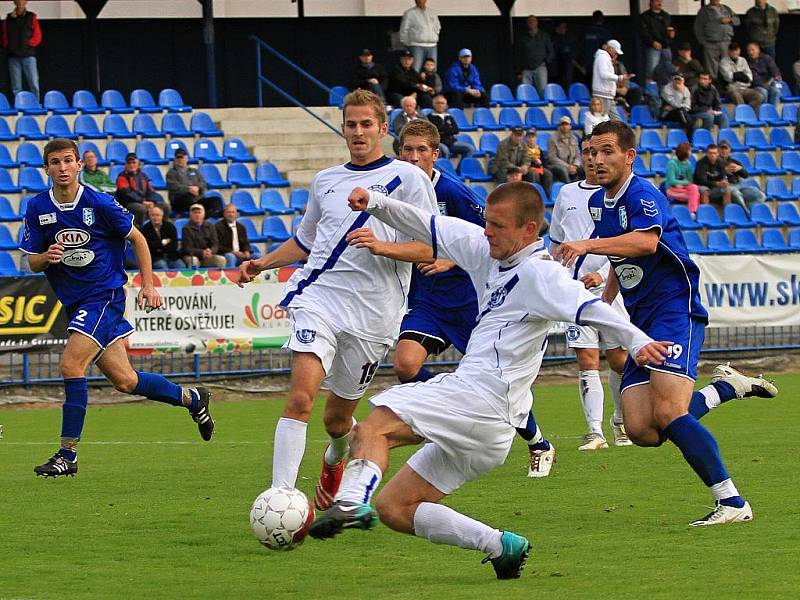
(145, 126)
(113, 101)
(271, 202)
(26, 103)
(789, 112)
(658, 164)
(116, 151)
(239, 175)
(702, 138)
(235, 149)
(640, 169)
(253, 234)
(500, 95)
(461, 119)
(708, 217)
(86, 128)
(694, 243)
(545, 198)
(761, 214)
(769, 114)
(465, 138)
(56, 126)
(268, 174)
(535, 117)
(772, 240)
(756, 139)
(796, 187)
(675, 137)
(776, 190)
(155, 176)
(488, 143)
(509, 118)
(6, 211)
(298, 200)
(336, 96)
(555, 95)
(786, 93)
(745, 160)
(557, 113)
(296, 223)
(30, 180)
(173, 125)
(736, 217)
(201, 124)
(782, 139)
(529, 96)
(171, 100)
(56, 102)
(206, 151)
(115, 171)
(471, 169)
(641, 117)
(213, 178)
(765, 162)
(172, 145)
(744, 240)
(444, 165)
(23, 205)
(790, 161)
(273, 229)
(479, 190)
(719, 243)
(729, 135)
(116, 127)
(794, 239)
(684, 217)
(555, 189)
(142, 100)
(650, 141)
(483, 118)
(392, 116)
(7, 241)
(753, 182)
(580, 93)
(787, 214)
(86, 103)
(84, 146)
(147, 152)
(27, 127)
(745, 115)
(542, 139)
(244, 203)
(5, 158)
(5, 107)
(29, 155)
(6, 135)
(8, 268)
(179, 225)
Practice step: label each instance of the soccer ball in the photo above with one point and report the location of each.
(280, 518)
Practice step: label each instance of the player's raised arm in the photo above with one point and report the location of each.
(635, 243)
(412, 251)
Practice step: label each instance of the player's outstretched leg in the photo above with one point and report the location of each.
(351, 509)
(339, 424)
(541, 453)
(727, 384)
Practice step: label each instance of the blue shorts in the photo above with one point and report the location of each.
(686, 334)
(437, 328)
(101, 318)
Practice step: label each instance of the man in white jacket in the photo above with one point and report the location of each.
(604, 79)
(419, 32)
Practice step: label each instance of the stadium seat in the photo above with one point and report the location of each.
(174, 126)
(147, 152)
(509, 118)
(56, 126)
(769, 114)
(86, 103)
(480, 191)
(86, 128)
(5, 158)
(5, 107)
(392, 116)
(790, 161)
(483, 118)
(471, 169)
(640, 169)
(545, 198)
(776, 190)
(7, 213)
(761, 214)
(206, 151)
(253, 234)
(765, 163)
(579, 93)
(745, 240)
(30, 180)
(235, 149)
(172, 101)
(201, 124)
(26, 103)
(736, 217)
(116, 127)
(296, 224)
(745, 115)
(142, 100)
(23, 205)
(28, 128)
(555, 95)
(557, 113)
(787, 214)
(756, 139)
(782, 139)
(658, 164)
(336, 96)
(650, 141)
(488, 143)
(535, 117)
(144, 126)
(744, 159)
(268, 174)
(273, 229)
(461, 119)
(446, 166)
(719, 243)
(271, 202)
(6, 135)
(155, 176)
(675, 137)
(7, 241)
(702, 138)
(8, 268)
(529, 96)
(56, 103)
(465, 139)
(694, 243)
(179, 224)
(789, 112)
(213, 178)
(172, 145)
(298, 200)
(794, 239)
(29, 155)
(729, 135)
(115, 171)
(239, 175)
(786, 93)
(244, 203)
(556, 188)
(796, 187)
(641, 117)
(500, 95)
(684, 217)
(708, 217)
(113, 101)
(116, 151)
(772, 240)
(85, 146)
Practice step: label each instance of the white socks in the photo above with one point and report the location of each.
(359, 481)
(538, 437)
(442, 525)
(711, 396)
(338, 447)
(724, 489)
(591, 391)
(287, 454)
(615, 383)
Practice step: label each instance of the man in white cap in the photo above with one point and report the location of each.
(563, 154)
(605, 79)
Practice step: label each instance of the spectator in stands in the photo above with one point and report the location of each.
(677, 103)
(539, 173)
(187, 186)
(419, 32)
(403, 118)
(513, 174)
(462, 82)
(594, 115)
(430, 77)
(627, 95)
(706, 104)
(687, 66)
(657, 34)
(511, 152)
(678, 183)
(735, 72)
(93, 177)
(565, 51)
(713, 28)
(448, 128)
(200, 246)
(563, 154)
(605, 79)
(21, 36)
(135, 191)
(162, 239)
(767, 78)
(369, 75)
(534, 52)
(406, 81)
(744, 195)
(593, 39)
(232, 237)
(711, 178)
(762, 22)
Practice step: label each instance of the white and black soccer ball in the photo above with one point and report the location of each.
(280, 518)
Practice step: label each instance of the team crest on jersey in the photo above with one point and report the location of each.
(305, 336)
(498, 297)
(623, 217)
(381, 189)
(47, 218)
(573, 333)
(649, 207)
(596, 212)
(88, 216)
(442, 208)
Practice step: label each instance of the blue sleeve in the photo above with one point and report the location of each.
(117, 217)
(452, 81)
(476, 78)
(646, 210)
(468, 207)
(33, 240)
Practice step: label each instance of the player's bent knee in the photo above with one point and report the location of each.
(394, 514)
(405, 368)
(299, 406)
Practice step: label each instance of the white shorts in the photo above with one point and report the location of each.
(349, 362)
(586, 336)
(465, 435)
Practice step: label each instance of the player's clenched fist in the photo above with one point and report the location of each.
(358, 199)
(54, 253)
(654, 353)
(248, 271)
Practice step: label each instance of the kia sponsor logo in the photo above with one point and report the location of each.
(71, 238)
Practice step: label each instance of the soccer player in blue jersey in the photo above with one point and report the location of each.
(77, 236)
(659, 284)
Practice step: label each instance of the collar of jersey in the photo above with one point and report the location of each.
(516, 259)
(612, 202)
(587, 186)
(67, 205)
(381, 162)
(435, 177)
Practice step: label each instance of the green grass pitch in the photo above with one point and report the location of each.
(157, 513)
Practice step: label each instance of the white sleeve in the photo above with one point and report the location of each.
(418, 191)
(404, 26)
(606, 70)
(307, 231)
(556, 230)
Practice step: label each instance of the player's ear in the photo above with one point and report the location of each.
(384, 128)
(630, 156)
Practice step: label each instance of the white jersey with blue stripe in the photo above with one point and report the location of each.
(92, 229)
(358, 292)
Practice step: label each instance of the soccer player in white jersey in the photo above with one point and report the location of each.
(467, 419)
(345, 304)
(571, 221)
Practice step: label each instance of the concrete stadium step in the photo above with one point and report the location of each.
(298, 124)
(302, 177)
(325, 151)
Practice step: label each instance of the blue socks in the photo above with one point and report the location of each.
(159, 388)
(73, 412)
(698, 407)
(422, 375)
(699, 448)
(531, 432)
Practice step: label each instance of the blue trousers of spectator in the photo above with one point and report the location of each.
(420, 53)
(458, 149)
(773, 94)
(165, 263)
(652, 58)
(709, 119)
(27, 66)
